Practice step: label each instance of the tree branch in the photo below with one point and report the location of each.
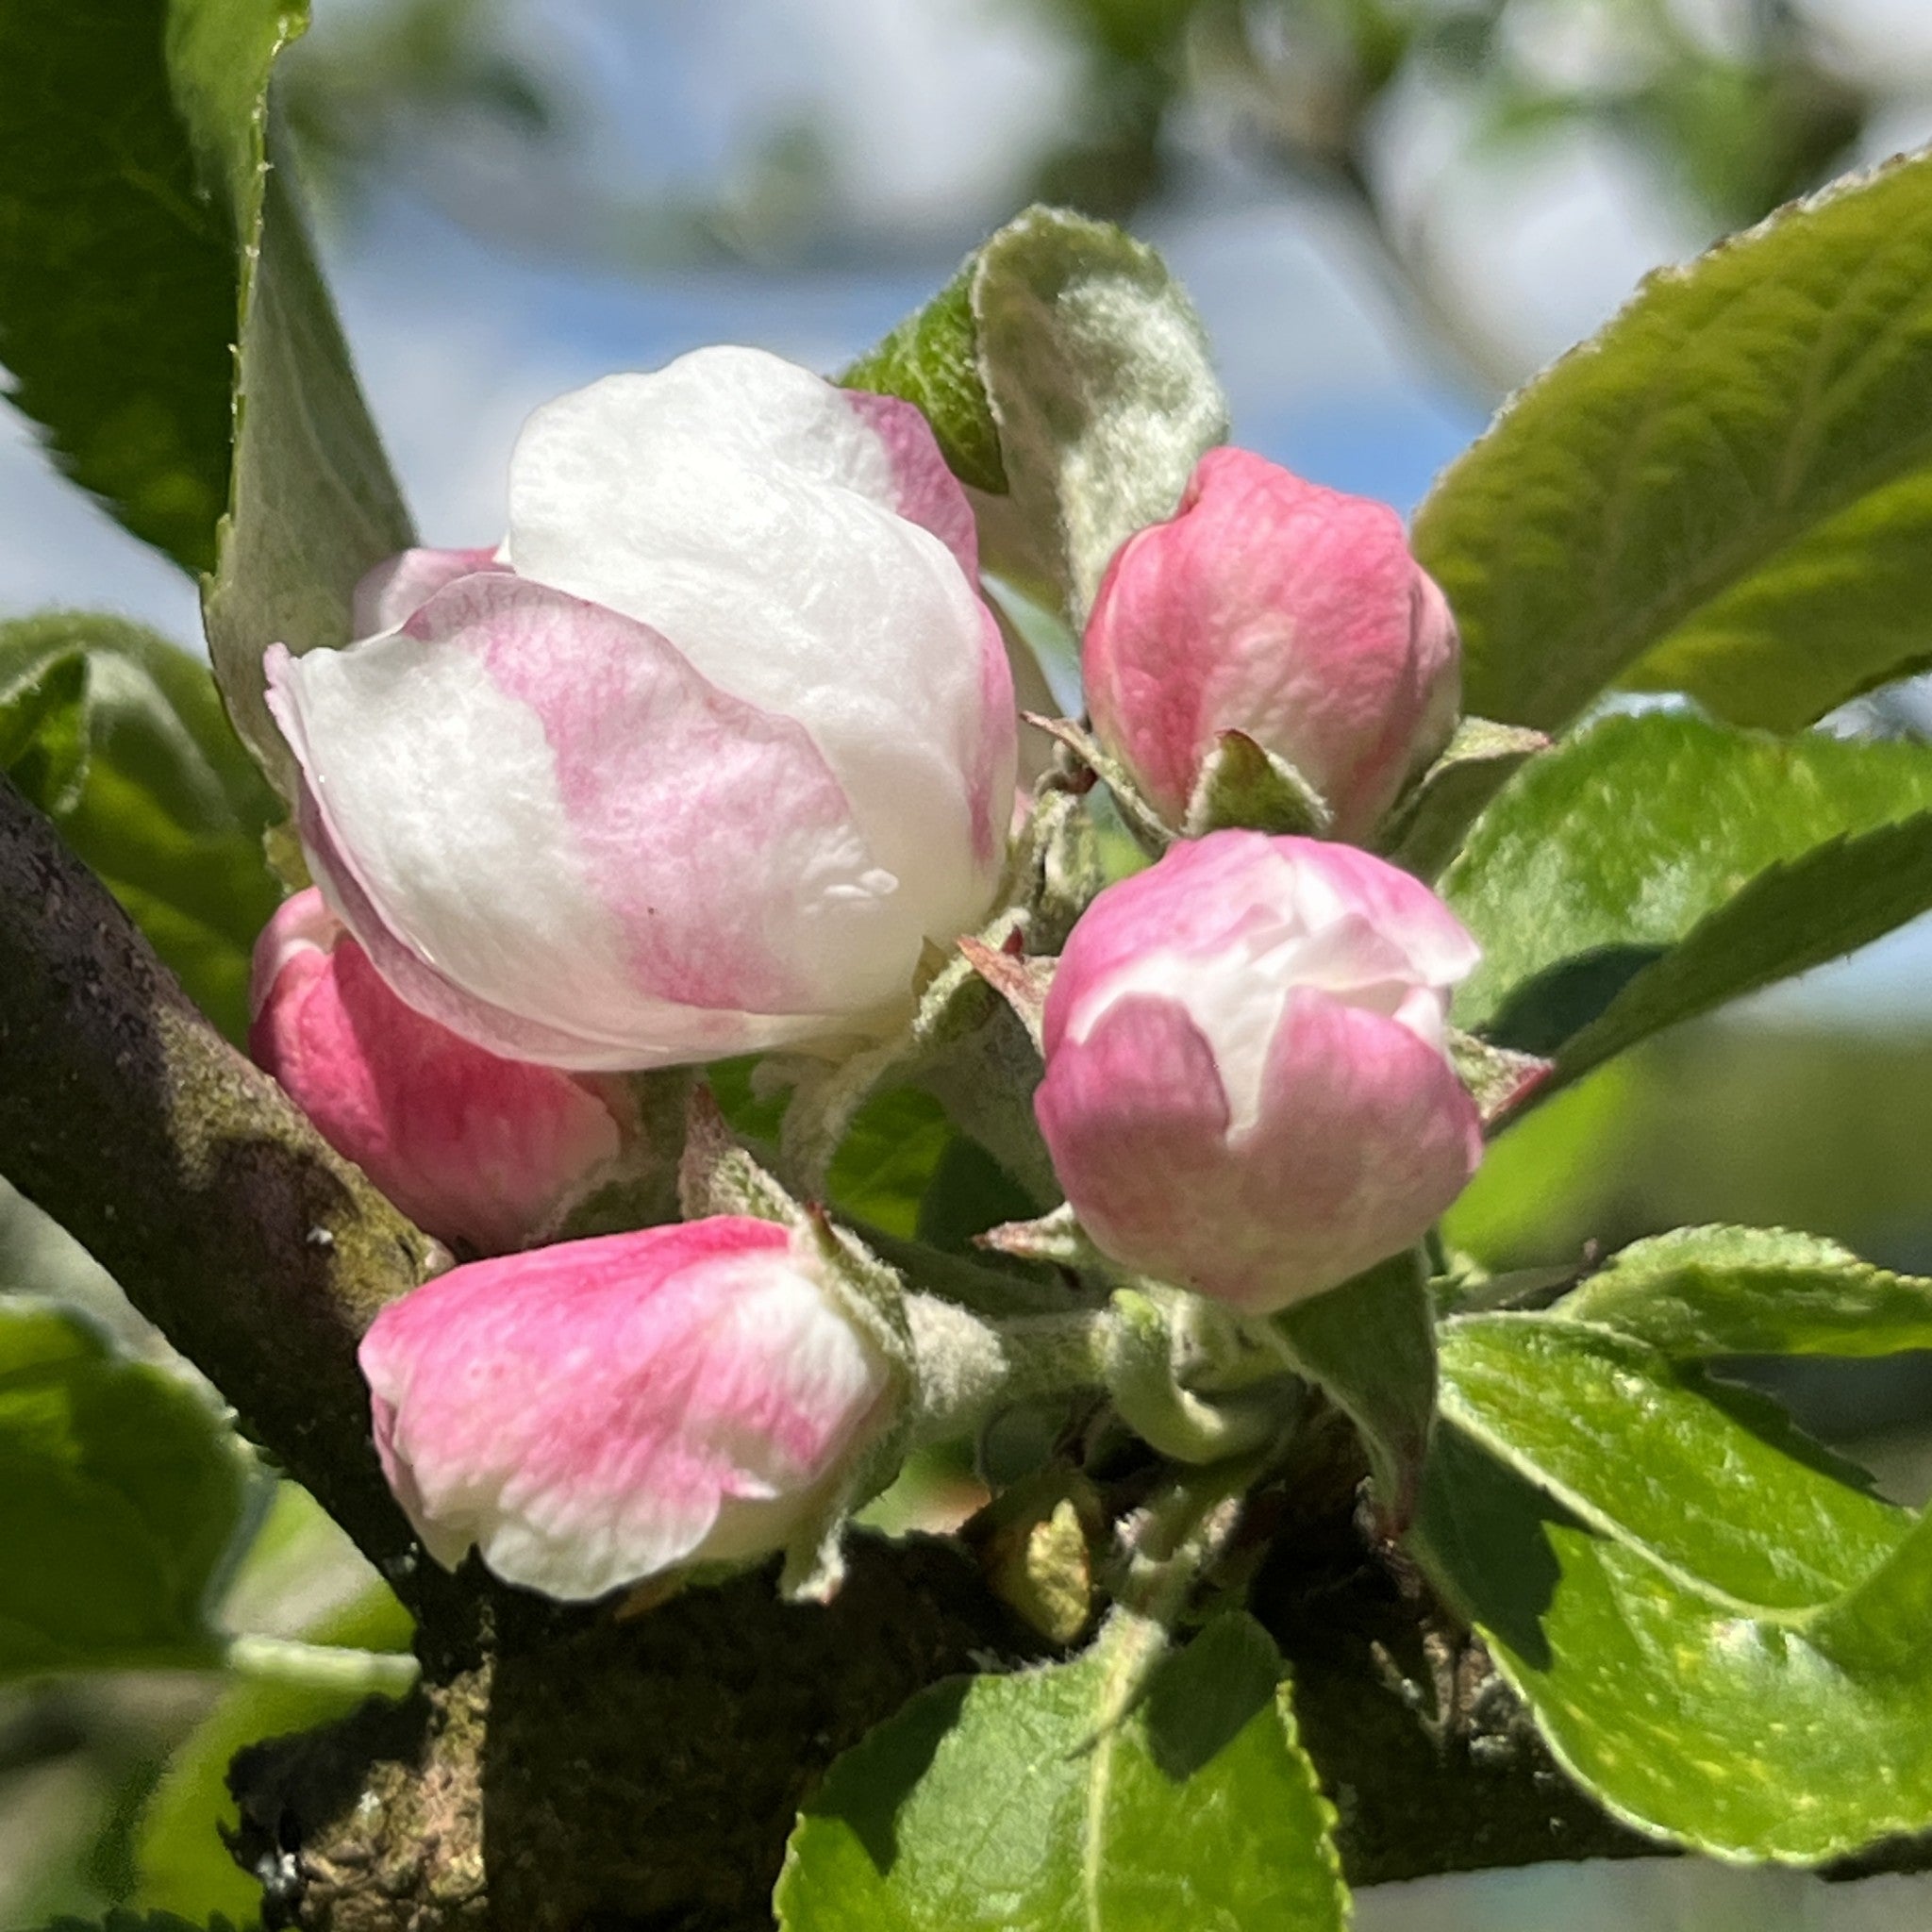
(191, 1179)
(561, 1763)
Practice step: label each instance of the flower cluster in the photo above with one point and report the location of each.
(715, 755)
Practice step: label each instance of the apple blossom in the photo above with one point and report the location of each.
(484, 1152)
(1293, 613)
(602, 1412)
(701, 760)
(1249, 1091)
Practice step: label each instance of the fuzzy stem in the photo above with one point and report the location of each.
(1141, 1377)
(1166, 1546)
(968, 1367)
(1178, 1533)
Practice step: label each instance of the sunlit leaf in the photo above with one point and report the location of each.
(1727, 490)
(1029, 1799)
(120, 1491)
(1653, 867)
(1720, 1636)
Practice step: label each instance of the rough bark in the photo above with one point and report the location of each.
(590, 1773)
(581, 1773)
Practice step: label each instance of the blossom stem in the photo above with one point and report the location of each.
(1165, 1547)
(968, 1367)
(1154, 1401)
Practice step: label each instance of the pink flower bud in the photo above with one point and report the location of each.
(1249, 1091)
(700, 759)
(599, 1412)
(484, 1153)
(1293, 613)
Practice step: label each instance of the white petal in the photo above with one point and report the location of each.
(741, 507)
(555, 838)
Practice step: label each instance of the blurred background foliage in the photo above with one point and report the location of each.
(556, 148)
(1732, 106)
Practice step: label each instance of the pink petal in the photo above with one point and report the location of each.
(1247, 1091)
(1337, 881)
(595, 1413)
(925, 491)
(482, 1152)
(609, 861)
(1295, 613)
(749, 511)
(1137, 1122)
(394, 591)
(1208, 895)
(302, 923)
(1365, 1136)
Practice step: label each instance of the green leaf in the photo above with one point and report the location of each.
(1096, 371)
(888, 1158)
(1754, 1291)
(1722, 1636)
(117, 273)
(120, 1491)
(752, 1116)
(1643, 1451)
(1797, 1738)
(1727, 492)
(312, 503)
(932, 358)
(970, 1192)
(1882, 1625)
(990, 1802)
(142, 238)
(1371, 1346)
(1653, 867)
(1066, 375)
(121, 739)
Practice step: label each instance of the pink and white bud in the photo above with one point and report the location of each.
(1293, 613)
(1248, 1088)
(603, 1411)
(484, 1152)
(700, 759)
